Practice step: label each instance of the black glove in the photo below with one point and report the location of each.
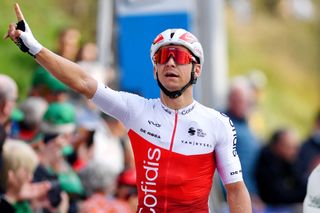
(26, 42)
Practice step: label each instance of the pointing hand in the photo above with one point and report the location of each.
(21, 34)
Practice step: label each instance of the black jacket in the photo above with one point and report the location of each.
(277, 180)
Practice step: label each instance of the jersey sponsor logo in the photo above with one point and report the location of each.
(235, 172)
(154, 123)
(186, 111)
(234, 140)
(150, 133)
(182, 112)
(166, 110)
(191, 131)
(195, 143)
(148, 185)
(234, 135)
(200, 133)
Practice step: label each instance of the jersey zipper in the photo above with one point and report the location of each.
(169, 160)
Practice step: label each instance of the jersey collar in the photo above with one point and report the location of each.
(183, 111)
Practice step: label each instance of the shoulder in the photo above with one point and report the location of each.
(212, 113)
(217, 119)
(5, 206)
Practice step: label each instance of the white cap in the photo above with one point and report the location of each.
(311, 202)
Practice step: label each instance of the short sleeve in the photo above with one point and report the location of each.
(228, 163)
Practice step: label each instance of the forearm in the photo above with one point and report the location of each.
(238, 198)
(68, 72)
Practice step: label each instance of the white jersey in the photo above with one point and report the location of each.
(176, 151)
(311, 202)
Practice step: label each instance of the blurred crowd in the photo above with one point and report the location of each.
(61, 154)
(275, 167)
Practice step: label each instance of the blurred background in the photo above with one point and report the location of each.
(274, 42)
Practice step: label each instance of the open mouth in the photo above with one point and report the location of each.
(171, 74)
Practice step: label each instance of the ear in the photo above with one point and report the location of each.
(197, 70)
(11, 177)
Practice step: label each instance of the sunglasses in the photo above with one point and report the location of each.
(180, 55)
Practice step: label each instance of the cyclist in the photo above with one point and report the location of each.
(177, 142)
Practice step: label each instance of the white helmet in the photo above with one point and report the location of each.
(177, 37)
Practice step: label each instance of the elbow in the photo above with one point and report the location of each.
(86, 87)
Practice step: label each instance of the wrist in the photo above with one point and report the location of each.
(34, 47)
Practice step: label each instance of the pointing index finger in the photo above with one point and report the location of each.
(18, 12)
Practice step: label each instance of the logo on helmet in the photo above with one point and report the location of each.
(188, 37)
(158, 39)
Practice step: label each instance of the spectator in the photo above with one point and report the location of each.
(58, 127)
(239, 103)
(8, 97)
(83, 143)
(87, 58)
(48, 87)
(110, 138)
(126, 190)
(19, 163)
(69, 43)
(33, 109)
(98, 182)
(279, 184)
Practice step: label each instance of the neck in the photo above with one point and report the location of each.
(177, 103)
(12, 195)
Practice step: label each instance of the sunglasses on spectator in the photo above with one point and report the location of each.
(180, 55)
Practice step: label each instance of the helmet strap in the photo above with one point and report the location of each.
(178, 93)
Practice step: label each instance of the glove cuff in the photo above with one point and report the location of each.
(34, 47)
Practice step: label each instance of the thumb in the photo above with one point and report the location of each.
(16, 35)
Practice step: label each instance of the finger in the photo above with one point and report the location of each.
(14, 35)
(18, 12)
(6, 36)
(12, 27)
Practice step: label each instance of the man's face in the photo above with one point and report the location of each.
(174, 67)
(288, 146)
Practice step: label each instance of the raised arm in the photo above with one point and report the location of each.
(66, 71)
